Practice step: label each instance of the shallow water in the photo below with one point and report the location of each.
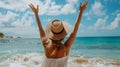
(85, 52)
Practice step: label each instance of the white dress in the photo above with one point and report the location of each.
(60, 62)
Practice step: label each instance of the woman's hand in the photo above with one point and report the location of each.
(83, 7)
(34, 9)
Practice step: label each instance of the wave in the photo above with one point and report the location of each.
(6, 40)
(104, 47)
(114, 47)
(35, 60)
(22, 60)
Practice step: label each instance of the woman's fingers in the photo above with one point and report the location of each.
(31, 6)
(37, 6)
(86, 3)
(83, 6)
(80, 3)
(34, 9)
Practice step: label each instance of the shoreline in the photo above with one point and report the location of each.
(35, 60)
(92, 62)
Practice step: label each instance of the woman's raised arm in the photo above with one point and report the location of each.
(71, 39)
(41, 30)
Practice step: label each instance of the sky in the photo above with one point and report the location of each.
(101, 17)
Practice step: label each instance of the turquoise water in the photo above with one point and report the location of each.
(88, 47)
(98, 47)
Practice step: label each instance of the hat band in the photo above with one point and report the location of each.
(58, 32)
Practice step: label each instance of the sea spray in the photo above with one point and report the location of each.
(35, 60)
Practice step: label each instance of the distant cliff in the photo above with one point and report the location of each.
(4, 36)
(1, 35)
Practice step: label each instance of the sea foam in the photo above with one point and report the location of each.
(35, 60)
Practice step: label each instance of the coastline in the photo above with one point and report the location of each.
(86, 52)
(35, 60)
(97, 62)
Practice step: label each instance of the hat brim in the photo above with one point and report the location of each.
(59, 36)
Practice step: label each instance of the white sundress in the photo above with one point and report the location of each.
(60, 62)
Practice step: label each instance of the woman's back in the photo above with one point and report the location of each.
(55, 49)
(54, 60)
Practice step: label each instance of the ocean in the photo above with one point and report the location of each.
(85, 52)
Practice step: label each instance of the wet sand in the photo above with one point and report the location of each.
(96, 62)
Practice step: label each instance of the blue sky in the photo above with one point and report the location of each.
(101, 18)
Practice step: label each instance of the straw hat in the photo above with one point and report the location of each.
(57, 30)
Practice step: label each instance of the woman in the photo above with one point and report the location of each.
(56, 52)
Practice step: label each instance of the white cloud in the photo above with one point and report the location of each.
(18, 26)
(48, 7)
(7, 18)
(26, 20)
(17, 5)
(115, 23)
(69, 7)
(112, 0)
(72, 1)
(101, 23)
(97, 9)
(52, 9)
(116, 12)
